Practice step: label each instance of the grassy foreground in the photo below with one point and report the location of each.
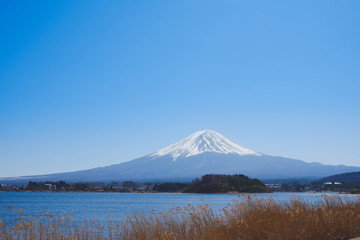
(245, 218)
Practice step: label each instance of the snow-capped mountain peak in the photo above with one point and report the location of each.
(203, 141)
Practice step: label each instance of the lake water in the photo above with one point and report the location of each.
(120, 205)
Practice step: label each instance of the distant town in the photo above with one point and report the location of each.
(316, 186)
(148, 187)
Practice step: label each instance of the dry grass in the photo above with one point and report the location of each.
(245, 218)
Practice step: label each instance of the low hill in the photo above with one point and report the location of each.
(349, 177)
(216, 183)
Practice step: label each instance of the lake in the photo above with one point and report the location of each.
(120, 205)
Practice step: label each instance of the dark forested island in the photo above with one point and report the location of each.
(216, 183)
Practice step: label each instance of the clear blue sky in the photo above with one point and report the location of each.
(92, 83)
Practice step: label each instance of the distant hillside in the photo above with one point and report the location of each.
(344, 177)
(216, 183)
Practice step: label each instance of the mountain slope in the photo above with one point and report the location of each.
(348, 177)
(204, 152)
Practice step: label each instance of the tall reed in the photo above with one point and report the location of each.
(245, 218)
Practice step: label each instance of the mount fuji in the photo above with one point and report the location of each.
(201, 153)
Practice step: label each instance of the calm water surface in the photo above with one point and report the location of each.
(119, 205)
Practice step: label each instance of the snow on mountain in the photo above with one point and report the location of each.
(201, 142)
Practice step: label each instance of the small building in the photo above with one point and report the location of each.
(50, 186)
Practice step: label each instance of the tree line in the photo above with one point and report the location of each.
(209, 183)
